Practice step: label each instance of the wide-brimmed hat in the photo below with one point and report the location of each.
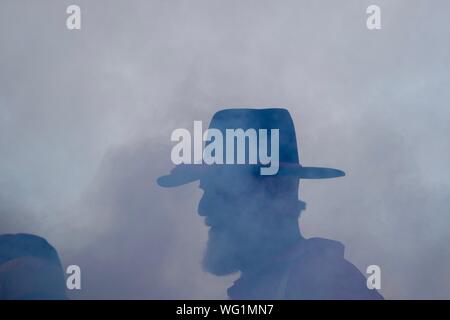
(271, 118)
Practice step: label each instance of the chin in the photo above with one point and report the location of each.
(218, 269)
(220, 257)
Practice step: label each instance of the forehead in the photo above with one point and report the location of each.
(231, 177)
(236, 181)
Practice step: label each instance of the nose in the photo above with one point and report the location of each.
(202, 209)
(210, 208)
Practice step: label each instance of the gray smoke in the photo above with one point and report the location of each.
(86, 117)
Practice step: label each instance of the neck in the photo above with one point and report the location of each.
(268, 250)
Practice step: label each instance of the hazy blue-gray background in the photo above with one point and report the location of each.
(86, 117)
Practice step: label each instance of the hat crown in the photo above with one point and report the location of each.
(269, 118)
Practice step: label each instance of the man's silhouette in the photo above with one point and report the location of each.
(253, 221)
(30, 269)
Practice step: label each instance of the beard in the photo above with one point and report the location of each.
(222, 252)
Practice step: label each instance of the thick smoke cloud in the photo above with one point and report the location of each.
(148, 241)
(86, 116)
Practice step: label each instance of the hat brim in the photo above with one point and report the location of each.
(183, 174)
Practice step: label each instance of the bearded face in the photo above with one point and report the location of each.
(239, 211)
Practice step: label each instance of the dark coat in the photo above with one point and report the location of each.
(312, 269)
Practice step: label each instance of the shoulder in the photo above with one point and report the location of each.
(13, 246)
(322, 272)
